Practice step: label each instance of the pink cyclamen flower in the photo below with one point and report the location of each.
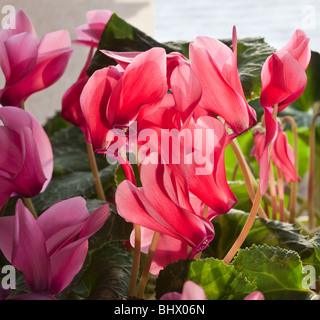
(89, 34)
(28, 65)
(26, 158)
(215, 65)
(281, 154)
(51, 249)
(283, 74)
(111, 99)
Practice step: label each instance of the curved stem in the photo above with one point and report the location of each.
(95, 173)
(247, 175)
(312, 143)
(146, 268)
(273, 192)
(252, 215)
(136, 261)
(281, 194)
(244, 232)
(294, 185)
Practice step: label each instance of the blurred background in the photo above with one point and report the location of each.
(166, 20)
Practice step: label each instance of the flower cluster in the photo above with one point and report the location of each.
(175, 114)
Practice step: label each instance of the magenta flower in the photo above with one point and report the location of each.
(89, 34)
(28, 65)
(26, 158)
(215, 65)
(283, 74)
(50, 250)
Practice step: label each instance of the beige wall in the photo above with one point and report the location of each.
(48, 15)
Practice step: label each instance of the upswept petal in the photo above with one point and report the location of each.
(283, 80)
(150, 68)
(283, 157)
(93, 100)
(217, 94)
(163, 216)
(221, 199)
(298, 47)
(186, 89)
(29, 253)
(22, 51)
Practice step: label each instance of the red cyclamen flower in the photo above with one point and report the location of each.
(26, 158)
(28, 65)
(112, 98)
(215, 65)
(283, 74)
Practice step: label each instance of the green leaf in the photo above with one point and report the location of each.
(108, 275)
(269, 232)
(115, 229)
(72, 185)
(220, 281)
(121, 36)
(316, 244)
(55, 124)
(276, 272)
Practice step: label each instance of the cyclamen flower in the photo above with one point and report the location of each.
(215, 65)
(283, 74)
(281, 154)
(112, 98)
(156, 206)
(28, 65)
(283, 80)
(89, 34)
(26, 158)
(51, 249)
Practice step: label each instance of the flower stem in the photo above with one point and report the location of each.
(252, 215)
(244, 232)
(29, 205)
(294, 184)
(146, 268)
(247, 175)
(136, 261)
(95, 173)
(312, 143)
(280, 194)
(273, 192)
